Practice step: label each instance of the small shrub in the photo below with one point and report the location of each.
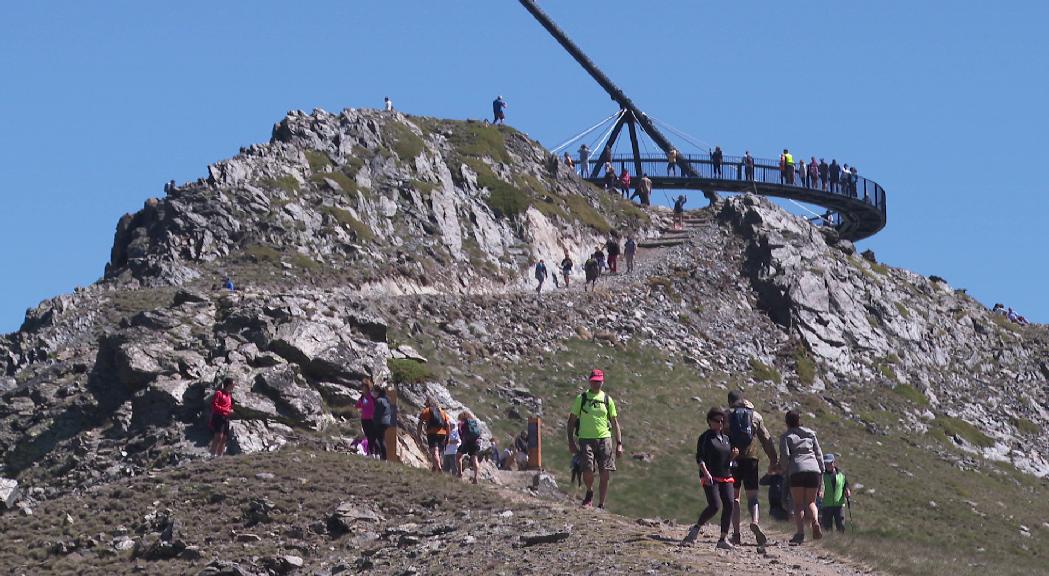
(424, 188)
(762, 371)
(287, 182)
(911, 393)
(879, 268)
(958, 427)
(903, 310)
(304, 262)
(659, 282)
(353, 165)
(886, 371)
(317, 160)
(405, 371)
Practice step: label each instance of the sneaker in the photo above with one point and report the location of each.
(797, 539)
(693, 533)
(758, 534)
(588, 500)
(817, 532)
(736, 540)
(723, 545)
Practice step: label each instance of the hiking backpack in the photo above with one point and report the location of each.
(741, 427)
(472, 431)
(582, 409)
(437, 419)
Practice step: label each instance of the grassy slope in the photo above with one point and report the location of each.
(901, 474)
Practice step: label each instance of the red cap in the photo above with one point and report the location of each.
(597, 375)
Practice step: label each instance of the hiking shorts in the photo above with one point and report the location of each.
(219, 424)
(746, 473)
(436, 441)
(805, 480)
(469, 448)
(598, 454)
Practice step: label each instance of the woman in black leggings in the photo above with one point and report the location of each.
(714, 454)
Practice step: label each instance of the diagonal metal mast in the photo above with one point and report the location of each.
(614, 91)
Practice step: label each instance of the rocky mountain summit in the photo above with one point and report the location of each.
(370, 244)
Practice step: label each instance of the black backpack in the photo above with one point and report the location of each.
(582, 408)
(437, 418)
(741, 427)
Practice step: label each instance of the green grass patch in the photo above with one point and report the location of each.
(903, 310)
(477, 140)
(504, 199)
(263, 254)
(406, 371)
(763, 372)
(911, 393)
(958, 427)
(424, 188)
(318, 161)
(579, 208)
(348, 185)
(1026, 426)
(287, 182)
(406, 144)
(361, 231)
(303, 262)
(804, 366)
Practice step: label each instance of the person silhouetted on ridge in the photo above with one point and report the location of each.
(499, 110)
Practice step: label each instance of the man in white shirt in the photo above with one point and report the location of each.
(450, 451)
(389, 104)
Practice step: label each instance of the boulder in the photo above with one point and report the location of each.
(248, 436)
(9, 493)
(295, 400)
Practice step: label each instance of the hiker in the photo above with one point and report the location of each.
(366, 406)
(584, 161)
(814, 173)
(169, 187)
(610, 178)
(679, 212)
(360, 446)
(436, 422)
(854, 180)
(591, 270)
(788, 167)
(566, 268)
(228, 285)
(846, 176)
(714, 454)
(593, 420)
(499, 110)
(599, 256)
(824, 172)
(613, 254)
(748, 165)
(672, 161)
(388, 104)
(745, 425)
(624, 182)
(716, 159)
(540, 275)
(779, 494)
(835, 175)
(221, 409)
(643, 191)
(521, 450)
(470, 433)
(629, 250)
(803, 461)
(836, 493)
(385, 416)
(450, 462)
(495, 455)
(569, 163)
(802, 173)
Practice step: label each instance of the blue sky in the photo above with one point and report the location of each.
(943, 103)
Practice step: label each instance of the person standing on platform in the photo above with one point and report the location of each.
(584, 161)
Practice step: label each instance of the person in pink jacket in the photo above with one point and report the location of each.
(366, 405)
(221, 410)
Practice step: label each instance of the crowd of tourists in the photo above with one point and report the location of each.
(604, 260)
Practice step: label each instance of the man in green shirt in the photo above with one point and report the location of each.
(835, 493)
(592, 421)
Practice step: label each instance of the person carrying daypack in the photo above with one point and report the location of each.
(540, 275)
(745, 425)
(592, 271)
(470, 438)
(384, 417)
(566, 269)
(612, 245)
(679, 212)
(592, 422)
(221, 410)
(436, 423)
(836, 493)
